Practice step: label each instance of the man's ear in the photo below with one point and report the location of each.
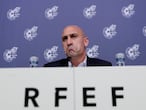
(86, 41)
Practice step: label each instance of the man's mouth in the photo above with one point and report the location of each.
(70, 50)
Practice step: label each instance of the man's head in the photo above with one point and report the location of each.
(74, 41)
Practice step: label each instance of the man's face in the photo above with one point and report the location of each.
(74, 41)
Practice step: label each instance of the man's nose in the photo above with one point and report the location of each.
(69, 41)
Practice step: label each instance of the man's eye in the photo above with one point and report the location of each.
(73, 35)
(64, 38)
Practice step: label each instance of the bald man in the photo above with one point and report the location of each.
(74, 42)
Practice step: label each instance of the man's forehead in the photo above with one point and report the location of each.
(71, 30)
(69, 33)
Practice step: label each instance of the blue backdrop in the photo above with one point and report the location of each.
(31, 29)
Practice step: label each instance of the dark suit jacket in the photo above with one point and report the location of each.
(90, 62)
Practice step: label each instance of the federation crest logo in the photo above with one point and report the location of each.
(51, 54)
(133, 52)
(144, 31)
(10, 54)
(12, 14)
(110, 32)
(93, 52)
(89, 12)
(30, 34)
(51, 13)
(128, 11)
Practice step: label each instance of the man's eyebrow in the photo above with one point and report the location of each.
(64, 37)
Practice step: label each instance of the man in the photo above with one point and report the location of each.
(74, 43)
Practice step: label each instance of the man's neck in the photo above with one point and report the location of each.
(76, 61)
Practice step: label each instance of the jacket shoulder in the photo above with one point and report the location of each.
(58, 63)
(98, 62)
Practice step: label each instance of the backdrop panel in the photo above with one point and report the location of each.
(116, 30)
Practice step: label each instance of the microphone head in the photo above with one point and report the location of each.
(120, 59)
(33, 61)
(120, 56)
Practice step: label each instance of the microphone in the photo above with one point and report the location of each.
(33, 61)
(120, 59)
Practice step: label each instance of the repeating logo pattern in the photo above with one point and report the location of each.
(30, 34)
(51, 54)
(10, 54)
(133, 52)
(93, 52)
(89, 12)
(128, 11)
(51, 13)
(12, 14)
(110, 32)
